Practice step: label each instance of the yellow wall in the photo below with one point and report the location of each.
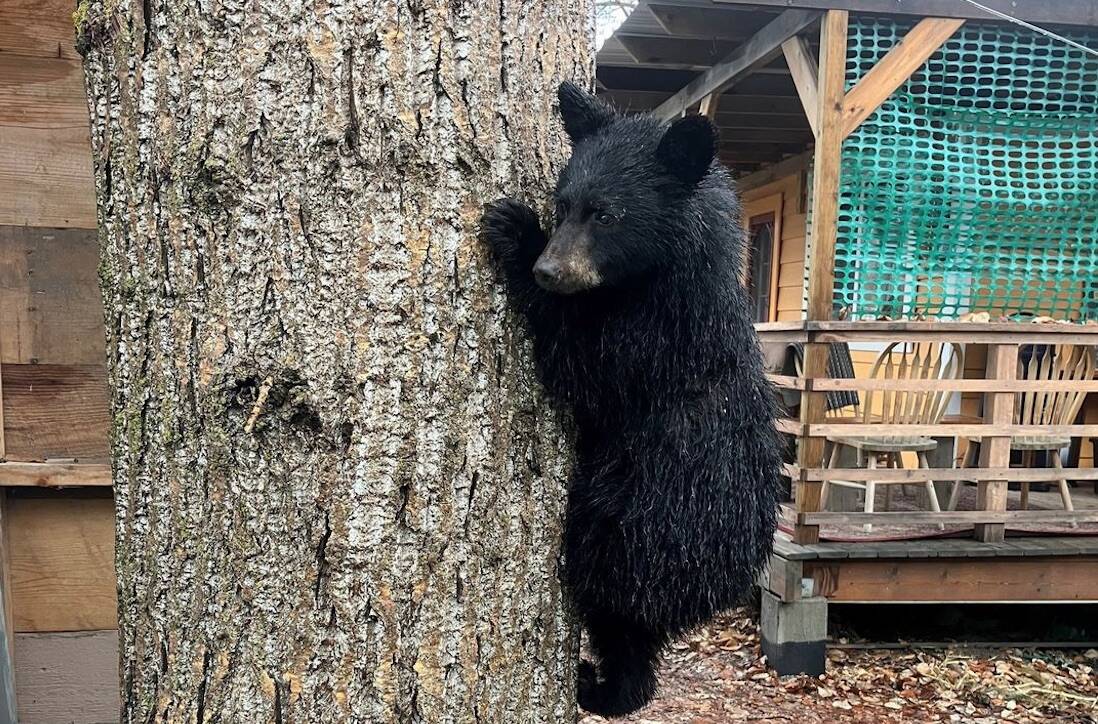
(790, 257)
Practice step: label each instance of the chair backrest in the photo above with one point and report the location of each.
(914, 361)
(1062, 363)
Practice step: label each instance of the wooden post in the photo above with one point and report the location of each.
(1002, 364)
(821, 269)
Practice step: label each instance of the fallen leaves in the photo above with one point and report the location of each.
(719, 676)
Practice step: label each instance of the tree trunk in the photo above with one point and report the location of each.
(340, 491)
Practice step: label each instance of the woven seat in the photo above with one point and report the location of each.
(1040, 443)
(886, 444)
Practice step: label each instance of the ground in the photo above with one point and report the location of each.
(718, 676)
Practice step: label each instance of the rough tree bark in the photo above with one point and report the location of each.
(339, 490)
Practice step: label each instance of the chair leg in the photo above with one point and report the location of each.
(870, 490)
(888, 488)
(832, 462)
(931, 493)
(1065, 490)
(967, 463)
(1023, 487)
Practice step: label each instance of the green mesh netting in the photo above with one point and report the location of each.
(975, 186)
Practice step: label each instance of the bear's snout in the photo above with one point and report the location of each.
(566, 266)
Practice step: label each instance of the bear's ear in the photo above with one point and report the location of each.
(688, 147)
(582, 113)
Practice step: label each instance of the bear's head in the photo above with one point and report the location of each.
(622, 201)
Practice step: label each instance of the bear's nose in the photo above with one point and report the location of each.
(547, 272)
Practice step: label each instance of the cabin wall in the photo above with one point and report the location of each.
(59, 545)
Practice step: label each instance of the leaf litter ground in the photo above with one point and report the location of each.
(718, 675)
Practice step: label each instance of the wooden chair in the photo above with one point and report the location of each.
(901, 361)
(1064, 364)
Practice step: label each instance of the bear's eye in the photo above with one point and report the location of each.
(561, 211)
(604, 218)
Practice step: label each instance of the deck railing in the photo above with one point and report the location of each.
(995, 427)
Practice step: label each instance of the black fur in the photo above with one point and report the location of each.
(672, 510)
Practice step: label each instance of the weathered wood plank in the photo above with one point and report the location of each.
(936, 579)
(56, 412)
(894, 69)
(989, 517)
(938, 548)
(961, 385)
(50, 306)
(54, 475)
(46, 177)
(958, 329)
(918, 475)
(43, 93)
(944, 429)
(46, 170)
(62, 563)
(760, 49)
(38, 28)
(67, 677)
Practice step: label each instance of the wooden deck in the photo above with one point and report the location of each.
(1017, 570)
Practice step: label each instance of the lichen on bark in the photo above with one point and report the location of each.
(339, 488)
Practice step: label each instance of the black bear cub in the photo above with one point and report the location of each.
(642, 326)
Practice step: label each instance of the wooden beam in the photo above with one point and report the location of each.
(673, 52)
(761, 106)
(825, 203)
(1002, 364)
(711, 22)
(761, 49)
(919, 475)
(708, 107)
(1036, 578)
(805, 72)
(928, 517)
(894, 69)
(944, 429)
(959, 385)
(54, 475)
(770, 174)
(1066, 12)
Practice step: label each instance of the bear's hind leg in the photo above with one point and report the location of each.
(624, 678)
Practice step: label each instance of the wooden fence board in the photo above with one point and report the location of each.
(38, 28)
(62, 563)
(51, 310)
(56, 412)
(67, 677)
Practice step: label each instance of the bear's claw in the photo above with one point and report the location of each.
(508, 225)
